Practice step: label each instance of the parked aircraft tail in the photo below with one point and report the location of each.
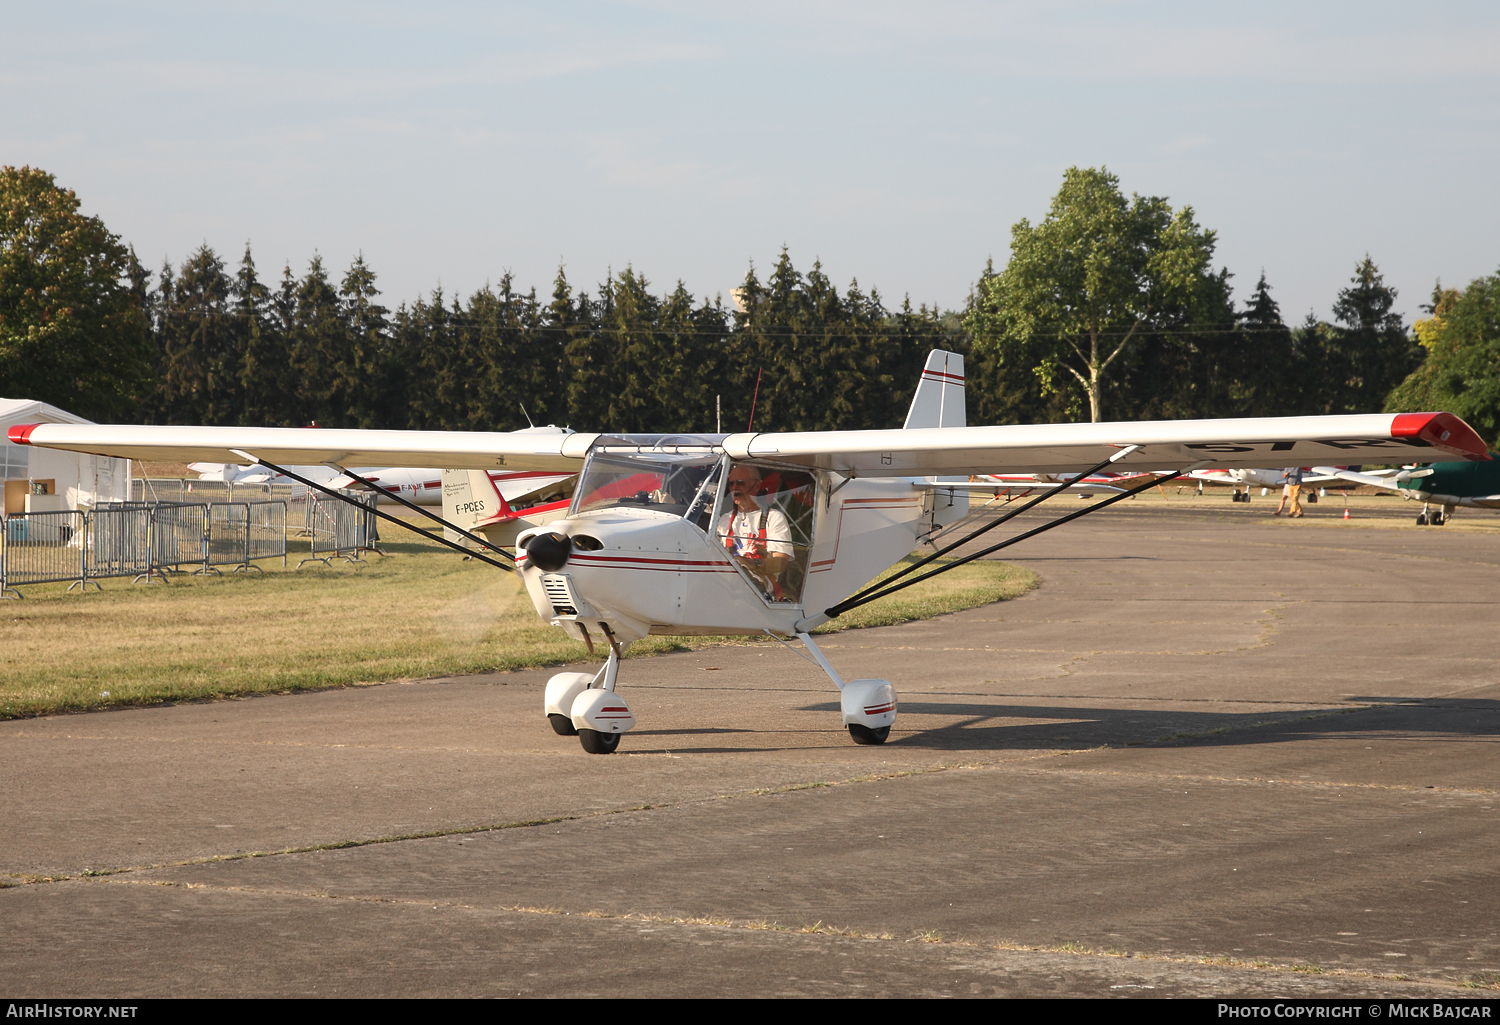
(471, 500)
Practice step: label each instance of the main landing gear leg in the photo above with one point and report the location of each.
(586, 706)
(868, 707)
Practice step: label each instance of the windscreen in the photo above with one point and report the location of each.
(662, 481)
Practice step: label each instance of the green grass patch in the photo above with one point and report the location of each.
(418, 612)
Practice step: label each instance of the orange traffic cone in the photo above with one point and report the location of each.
(1346, 512)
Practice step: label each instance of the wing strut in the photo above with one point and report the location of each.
(387, 516)
(855, 600)
(885, 588)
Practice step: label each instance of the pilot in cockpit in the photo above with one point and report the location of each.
(757, 536)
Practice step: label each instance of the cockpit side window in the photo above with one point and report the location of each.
(765, 521)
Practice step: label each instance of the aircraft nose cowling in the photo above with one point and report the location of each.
(548, 552)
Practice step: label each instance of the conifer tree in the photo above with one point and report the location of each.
(200, 360)
(1374, 353)
(360, 375)
(265, 378)
(318, 345)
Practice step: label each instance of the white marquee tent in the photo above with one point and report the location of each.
(40, 480)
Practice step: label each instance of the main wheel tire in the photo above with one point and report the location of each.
(596, 743)
(865, 735)
(1438, 519)
(1421, 519)
(562, 725)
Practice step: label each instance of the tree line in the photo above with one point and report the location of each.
(1108, 308)
(622, 357)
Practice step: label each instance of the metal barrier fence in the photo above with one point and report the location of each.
(267, 530)
(338, 529)
(42, 547)
(240, 532)
(179, 537)
(119, 542)
(138, 540)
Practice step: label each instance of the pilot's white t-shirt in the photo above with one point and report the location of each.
(739, 531)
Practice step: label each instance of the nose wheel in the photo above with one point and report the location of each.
(866, 735)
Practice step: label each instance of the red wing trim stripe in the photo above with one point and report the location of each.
(20, 434)
(1440, 430)
(939, 375)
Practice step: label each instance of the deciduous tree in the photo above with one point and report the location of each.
(72, 330)
(1095, 276)
(1462, 371)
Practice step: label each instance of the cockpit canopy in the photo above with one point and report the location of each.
(763, 518)
(666, 473)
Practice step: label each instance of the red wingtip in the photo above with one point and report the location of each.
(1442, 431)
(20, 434)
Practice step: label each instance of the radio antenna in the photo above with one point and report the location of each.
(758, 372)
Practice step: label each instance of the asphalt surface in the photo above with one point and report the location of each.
(1214, 754)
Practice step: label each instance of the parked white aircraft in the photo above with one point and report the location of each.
(1261, 478)
(774, 533)
(417, 485)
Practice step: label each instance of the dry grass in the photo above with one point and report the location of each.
(419, 612)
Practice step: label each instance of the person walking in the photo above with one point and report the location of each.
(1291, 490)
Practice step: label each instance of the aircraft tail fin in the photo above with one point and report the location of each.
(939, 401)
(471, 500)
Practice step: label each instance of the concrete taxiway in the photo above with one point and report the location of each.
(1213, 754)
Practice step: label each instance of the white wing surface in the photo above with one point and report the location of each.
(1035, 448)
(1173, 444)
(460, 450)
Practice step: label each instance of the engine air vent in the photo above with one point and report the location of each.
(587, 543)
(559, 590)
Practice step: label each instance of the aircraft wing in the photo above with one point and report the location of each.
(1390, 480)
(461, 450)
(932, 451)
(1063, 448)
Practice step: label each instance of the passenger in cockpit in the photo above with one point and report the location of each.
(757, 535)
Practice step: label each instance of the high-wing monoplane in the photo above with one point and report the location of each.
(775, 533)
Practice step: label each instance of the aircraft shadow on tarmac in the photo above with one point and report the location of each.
(986, 726)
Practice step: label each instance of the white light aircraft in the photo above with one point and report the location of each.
(774, 533)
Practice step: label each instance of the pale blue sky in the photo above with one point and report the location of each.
(896, 142)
